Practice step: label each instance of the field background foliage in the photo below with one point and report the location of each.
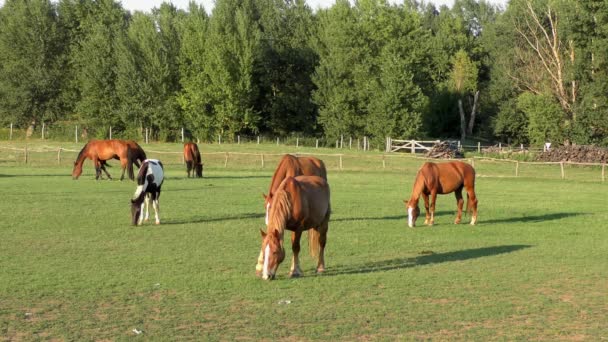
(72, 268)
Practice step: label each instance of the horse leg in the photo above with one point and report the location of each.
(142, 211)
(156, 207)
(97, 164)
(432, 207)
(472, 203)
(322, 241)
(426, 208)
(147, 206)
(123, 166)
(103, 168)
(459, 203)
(295, 270)
(260, 265)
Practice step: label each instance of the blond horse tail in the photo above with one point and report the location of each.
(314, 243)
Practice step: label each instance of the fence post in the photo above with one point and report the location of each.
(561, 165)
(603, 172)
(277, 141)
(341, 140)
(479, 147)
(413, 148)
(219, 139)
(517, 169)
(226, 160)
(76, 134)
(42, 134)
(59, 156)
(340, 162)
(262, 160)
(110, 132)
(25, 149)
(350, 143)
(238, 139)
(297, 141)
(317, 144)
(383, 162)
(182, 134)
(258, 139)
(10, 137)
(499, 147)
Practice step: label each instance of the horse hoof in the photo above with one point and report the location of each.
(158, 222)
(295, 275)
(457, 222)
(320, 270)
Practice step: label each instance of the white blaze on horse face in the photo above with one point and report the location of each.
(265, 275)
(267, 210)
(410, 217)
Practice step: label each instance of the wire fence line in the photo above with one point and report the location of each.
(402, 162)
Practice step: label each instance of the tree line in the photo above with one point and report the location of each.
(532, 72)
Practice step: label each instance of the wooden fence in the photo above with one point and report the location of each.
(336, 161)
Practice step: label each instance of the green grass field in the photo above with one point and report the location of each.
(72, 268)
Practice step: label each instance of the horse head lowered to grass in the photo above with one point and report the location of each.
(442, 178)
(299, 204)
(292, 166)
(192, 157)
(99, 151)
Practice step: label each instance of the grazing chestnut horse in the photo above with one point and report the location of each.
(291, 166)
(192, 157)
(99, 151)
(149, 181)
(442, 178)
(299, 203)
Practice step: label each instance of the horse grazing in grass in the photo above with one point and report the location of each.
(442, 178)
(299, 203)
(149, 181)
(292, 166)
(192, 157)
(99, 151)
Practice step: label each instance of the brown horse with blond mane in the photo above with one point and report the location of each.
(292, 166)
(299, 203)
(192, 157)
(442, 178)
(99, 151)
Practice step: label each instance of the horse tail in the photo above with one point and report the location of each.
(314, 244)
(131, 156)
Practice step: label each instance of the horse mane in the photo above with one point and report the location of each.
(138, 197)
(288, 162)
(81, 155)
(280, 211)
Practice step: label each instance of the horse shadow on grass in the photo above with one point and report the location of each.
(426, 258)
(201, 219)
(382, 218)
(532, 218)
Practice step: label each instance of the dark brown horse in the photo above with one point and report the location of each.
(443, 178)
(299, 203)
(292, 166)
(192, 157)
(99, 151)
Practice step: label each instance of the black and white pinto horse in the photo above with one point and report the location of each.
(149, 180)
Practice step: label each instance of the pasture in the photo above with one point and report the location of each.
(73, 268)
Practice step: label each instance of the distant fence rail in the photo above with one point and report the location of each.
(396, 161)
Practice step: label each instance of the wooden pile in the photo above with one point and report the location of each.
(444, 150)
(575, 153)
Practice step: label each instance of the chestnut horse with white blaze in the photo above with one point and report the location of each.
(149, 181)
(99, 151)
(292, 166)
(442, 178)
(299, 203)
(192, 157)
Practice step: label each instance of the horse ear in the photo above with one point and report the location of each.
(263, 233)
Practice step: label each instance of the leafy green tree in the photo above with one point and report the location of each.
(545, 117)
(195, 104)
(93, 56)
(232, 48)
(32, 58)
(147, 72)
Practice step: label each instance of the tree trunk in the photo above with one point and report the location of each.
(473, 111)
(462, 121)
